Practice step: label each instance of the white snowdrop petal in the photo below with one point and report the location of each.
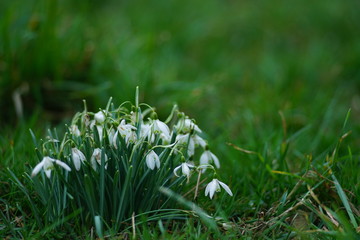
(78, 157)
(227, 189)
(74, 129)
(145, 130)
(157, 161)
(96, 158)
(48, 172)
(93, 163)
(199, 141)
(151, 159)
(37, 168)
(176, 169)
(48, 160)
(63, 165)
(150, 163)
(215, 159)
(185, 169)
(162, 128)
(114, 141)
(82, 156)
(207, 189)
(204, 159)
(99, 117)
(191, 147)
(164, 137)
(76, 161)
(189, 124)
(212, 188)
(111, 134)
(190, 165)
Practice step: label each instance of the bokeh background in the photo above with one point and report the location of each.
(254, 73)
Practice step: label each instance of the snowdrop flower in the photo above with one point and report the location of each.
(75, 130)
(185, 140)
(165, 138)
(189, 125)
(208, 158)
(78, 157)
(126, 131)
(145, 131)
(161, 128)
(131, 137)
(96, 158)
(111, 134)
(47, 164)
(185, 169)
(214, 186)
(99, 117)
(199, 141)
(151, 159)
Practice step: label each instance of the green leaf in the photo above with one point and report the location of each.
(345, 201)
(98, 226)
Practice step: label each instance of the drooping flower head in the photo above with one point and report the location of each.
(96, 158)
(209, 158)
(186, 125)
(99, 117)
(127, 131)
(74, 129)
(185, 169)
(199, 141)
(161, 128)
(47, 164)
(214, 186)
(152, 159)
(78, 157)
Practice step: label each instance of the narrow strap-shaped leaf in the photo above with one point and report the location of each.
(98, 226)
(33, 138)
(345, 201)
(121, 209)
(89, 188)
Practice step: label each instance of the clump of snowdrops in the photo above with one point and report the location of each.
(110, 164)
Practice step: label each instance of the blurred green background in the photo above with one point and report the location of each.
(217, 59)
(234, 66)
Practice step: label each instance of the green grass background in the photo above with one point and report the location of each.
(242, 69)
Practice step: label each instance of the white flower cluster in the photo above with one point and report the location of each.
(126, 130)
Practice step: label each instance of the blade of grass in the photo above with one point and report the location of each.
(24, 190)
(345, 201)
